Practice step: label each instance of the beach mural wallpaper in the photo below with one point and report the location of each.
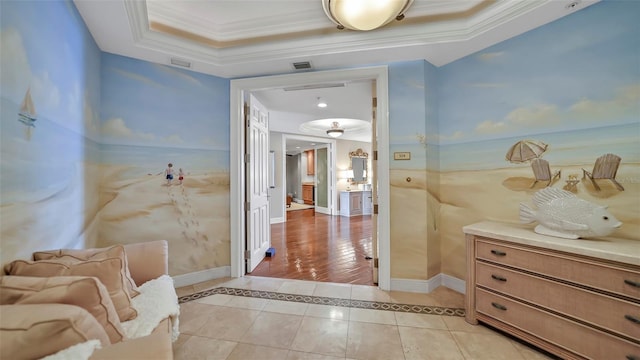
(50, 98)
(569, 92)
(165, 161)
(547, 104)
(414, 243)
(87, 138)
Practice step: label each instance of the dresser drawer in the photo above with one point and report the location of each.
(604, 311)
(578, 338)
(603, 276)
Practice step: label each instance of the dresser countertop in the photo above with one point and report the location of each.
(614, 249)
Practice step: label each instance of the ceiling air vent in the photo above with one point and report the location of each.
(178, 62)
(304, 65)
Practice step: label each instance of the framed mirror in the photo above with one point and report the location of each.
(359, 160)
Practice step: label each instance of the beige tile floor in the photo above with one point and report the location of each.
(230, 327)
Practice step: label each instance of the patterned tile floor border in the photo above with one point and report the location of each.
(321, 300)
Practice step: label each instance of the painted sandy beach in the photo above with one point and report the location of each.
(192, 217)
(34, 223)
(473, 196)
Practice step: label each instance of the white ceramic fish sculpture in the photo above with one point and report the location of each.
(562, 214)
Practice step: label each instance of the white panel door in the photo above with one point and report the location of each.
(373, 173)
(258, 224)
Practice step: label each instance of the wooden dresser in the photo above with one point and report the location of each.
(574, 298)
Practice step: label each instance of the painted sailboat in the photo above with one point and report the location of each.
(27, 114)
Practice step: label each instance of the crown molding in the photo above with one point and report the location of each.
(237, 30)
(348, 41)
(438, 42)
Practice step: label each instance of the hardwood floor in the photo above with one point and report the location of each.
(321, 248)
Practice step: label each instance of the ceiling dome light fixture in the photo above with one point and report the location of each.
(322, 103)
(364, 15)
(335, 130)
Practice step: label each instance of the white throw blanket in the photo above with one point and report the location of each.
(156, 302)
(78, 351)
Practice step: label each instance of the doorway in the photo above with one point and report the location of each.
(296, 147)
(241, 88)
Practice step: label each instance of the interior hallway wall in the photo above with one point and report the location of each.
(579, 93)
(49, 173)
(277, 195)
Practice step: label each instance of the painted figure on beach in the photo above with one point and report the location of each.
(180, 175)
(168, 173)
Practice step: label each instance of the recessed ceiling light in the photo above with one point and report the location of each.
(322, 103)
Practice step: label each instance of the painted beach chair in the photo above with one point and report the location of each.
(542, 172)
(606, 167)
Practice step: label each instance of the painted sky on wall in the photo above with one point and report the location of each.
(560, 77)
(149, 104)
(406, 101)
(45, 59)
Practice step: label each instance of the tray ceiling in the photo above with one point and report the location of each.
(241, 38)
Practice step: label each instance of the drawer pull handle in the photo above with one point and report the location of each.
(498, 306)
(632, 357)
(632, 319)
(498, 253)
(498, 277)
(632, 283)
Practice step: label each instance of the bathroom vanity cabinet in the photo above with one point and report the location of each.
(355, 202)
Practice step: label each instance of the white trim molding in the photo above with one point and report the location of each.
(453, 283)
(427, 286)
(277, 220)
(242, 87)
(201, 276)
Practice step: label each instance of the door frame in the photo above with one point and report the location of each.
(331, 179)
(332, 163)
(240, 88)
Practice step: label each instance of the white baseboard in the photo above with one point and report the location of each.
(410, 285)
(427, 286)
(407, 285)
(277, 220)
(454, 283)
(201, 276)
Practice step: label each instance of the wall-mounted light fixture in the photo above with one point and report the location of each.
(364, 15)
(335, 130)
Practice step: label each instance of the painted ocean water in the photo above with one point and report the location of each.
(576, 147)
(146, 160)
(23, 169)
(44, 163)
